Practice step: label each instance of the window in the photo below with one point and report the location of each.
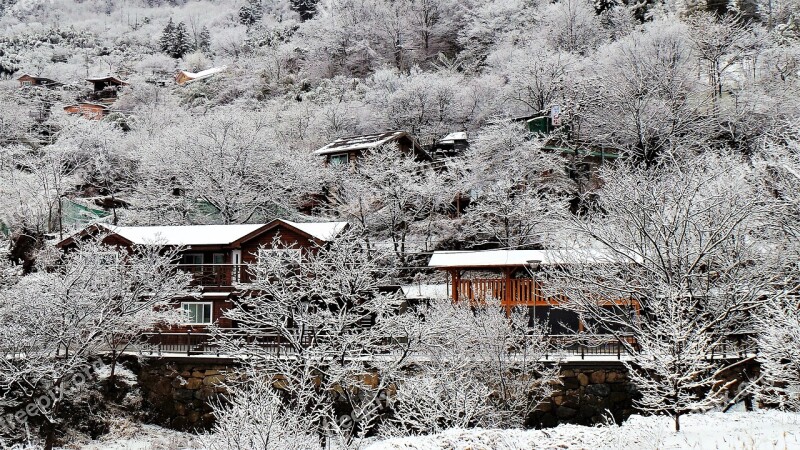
(197, 313)
(192, 258)
(27, 83)
(339, 159)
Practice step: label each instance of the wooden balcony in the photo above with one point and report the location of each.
(217, 274)
(508, 291)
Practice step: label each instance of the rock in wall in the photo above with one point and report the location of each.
(178, 393)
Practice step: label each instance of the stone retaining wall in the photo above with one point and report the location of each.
(588, 395)
(177, 393)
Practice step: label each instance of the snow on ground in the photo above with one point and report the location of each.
(143, 437)
(762, 430)
(737, 430)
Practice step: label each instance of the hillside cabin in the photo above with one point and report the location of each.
(185, 77)
(89, 110)
(451, 145)
(28, 80)
(349, 149)
(513, 278)
(217, 256)
(105, 89)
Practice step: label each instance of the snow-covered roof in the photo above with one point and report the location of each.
(110, 78)
(426, 291)
(189, 235)
(452, 137)
(324, 231)
(184, 234)
(500, 258)
(363, 142)
(87, 103)
(203, 73)
(24, 75)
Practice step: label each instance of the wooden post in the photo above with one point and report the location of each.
(456, 284)
(507, 294)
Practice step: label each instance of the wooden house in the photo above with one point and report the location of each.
(105, 89)
(89, 110)
(451, 145)
(512, 278)
(217, 256)
(185, 77)
(28, 80)
(349, 149)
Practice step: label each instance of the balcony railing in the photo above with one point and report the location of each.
(515, 291)
(580, 346)
(217, 274)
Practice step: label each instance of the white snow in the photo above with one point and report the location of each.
(128, 436)
(189, 235)
(760, 430)
(494, 258)
(364, 142)
(734, 430)
(452, 137)
(324, 231)
(426, 291)
(203, 73)
(184, 234)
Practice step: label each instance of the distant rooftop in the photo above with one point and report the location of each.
(362, 142)
(452, 137)
(506, 258)
(109, 78)
(202, 74)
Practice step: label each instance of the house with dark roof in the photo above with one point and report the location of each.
(349, 149)
(28, 80)
(105, 89)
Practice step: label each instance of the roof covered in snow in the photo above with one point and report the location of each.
(505, 258)
(108, 78)
(360, 143)
(25, 76)
(79, 104)
(202, 74)
(200, 235)
(452, 137)
(324, 231)
(184, 234)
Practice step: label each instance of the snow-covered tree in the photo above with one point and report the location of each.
(231, 167)
(397, 201)
(61, 318)
(778, 325)
(343, 335)
(476, 367)
(254, 415)
(644, 101)
(514, 186)
(677, 258)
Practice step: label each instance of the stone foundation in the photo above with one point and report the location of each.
(589, 395)
(178, 393)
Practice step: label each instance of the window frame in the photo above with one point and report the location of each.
(185, 263)
(338, 159)
(185, 309)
